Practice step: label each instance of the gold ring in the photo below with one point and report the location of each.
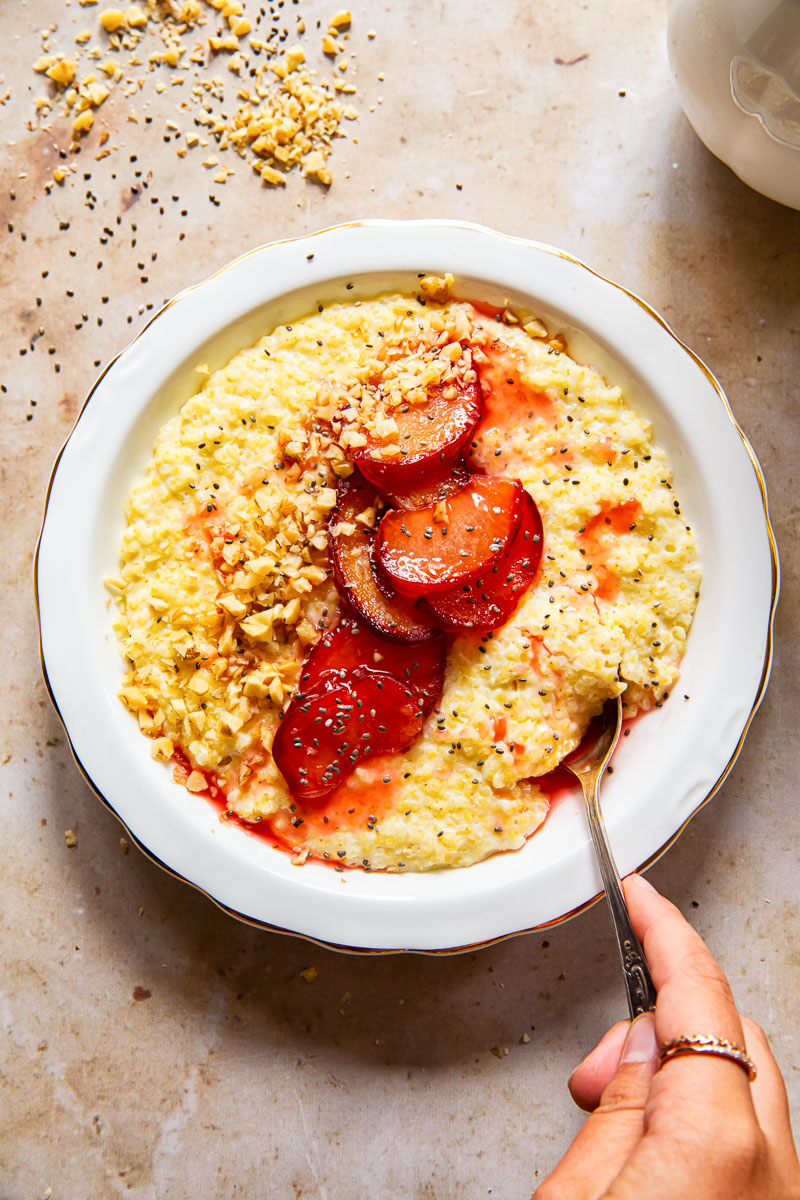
(705, 1044)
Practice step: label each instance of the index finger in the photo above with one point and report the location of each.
(694, 996)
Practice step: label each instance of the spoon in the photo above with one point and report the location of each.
(588, 769)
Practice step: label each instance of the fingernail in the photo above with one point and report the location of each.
(640, 881)
(640, 1044)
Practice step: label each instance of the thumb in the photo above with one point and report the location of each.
(638, 1062)
(611, 1132)
(590, 1078)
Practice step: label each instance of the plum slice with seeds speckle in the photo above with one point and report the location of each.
(488, 601)
(431, 436)
(439, 487)
(450, 543)
(351, 644)
(345, 719)
(352, 550)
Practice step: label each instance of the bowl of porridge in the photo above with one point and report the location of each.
(372, 523)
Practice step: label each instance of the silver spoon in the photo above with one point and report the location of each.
(588, 769)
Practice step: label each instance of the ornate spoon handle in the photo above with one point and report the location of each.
(639, 985)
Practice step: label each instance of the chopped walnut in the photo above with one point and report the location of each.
(437, 287)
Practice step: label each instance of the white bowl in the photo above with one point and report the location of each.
(674, 759)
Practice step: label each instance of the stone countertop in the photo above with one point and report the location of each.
(152, 1046)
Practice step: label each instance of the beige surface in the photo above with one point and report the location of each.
(237, 1076)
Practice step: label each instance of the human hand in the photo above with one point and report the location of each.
(696, 1129)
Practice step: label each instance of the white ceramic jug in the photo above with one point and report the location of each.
(737, 67)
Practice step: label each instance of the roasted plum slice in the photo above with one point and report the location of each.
(488, 601)
(431, 436)
(450, 543)
(351, 644)
(438, 487)
(352, 550)
(341, 722)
